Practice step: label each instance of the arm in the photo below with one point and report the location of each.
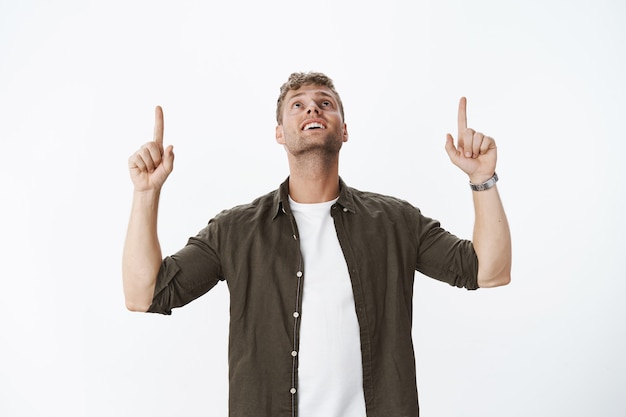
(476, 155)
(149, 168)
(492, 239)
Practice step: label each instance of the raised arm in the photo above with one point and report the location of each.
(476, 155)
(149, 168)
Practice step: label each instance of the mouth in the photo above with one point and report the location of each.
(314, 124)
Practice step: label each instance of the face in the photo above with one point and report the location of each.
(311, 122)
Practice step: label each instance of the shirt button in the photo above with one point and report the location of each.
(299, 274)
(294, 353)
(296, 314)
(345, 210)
(293, 390)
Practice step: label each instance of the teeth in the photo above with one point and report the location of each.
(313, 126)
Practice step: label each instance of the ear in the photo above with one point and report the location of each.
(280, 135)
(345, 132)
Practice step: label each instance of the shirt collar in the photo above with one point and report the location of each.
(281, 198)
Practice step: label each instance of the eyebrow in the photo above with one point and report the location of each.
(321, 92)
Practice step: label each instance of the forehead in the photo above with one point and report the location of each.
(310, 91)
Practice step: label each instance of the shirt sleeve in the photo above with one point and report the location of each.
(189, 273)
(443, 256)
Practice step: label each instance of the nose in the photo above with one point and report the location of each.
(313, 107)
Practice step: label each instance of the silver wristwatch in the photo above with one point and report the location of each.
(485, 185)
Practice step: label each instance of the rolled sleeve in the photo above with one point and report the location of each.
(446, 257)
(188, 274)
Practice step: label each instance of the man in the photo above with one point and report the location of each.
(320, 274)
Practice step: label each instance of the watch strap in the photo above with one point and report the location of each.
(485, 185)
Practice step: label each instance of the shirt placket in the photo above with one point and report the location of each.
(296, 313)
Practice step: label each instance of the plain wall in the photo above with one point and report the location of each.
(78, 84)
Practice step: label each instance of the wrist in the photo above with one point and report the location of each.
(147, 197)
(482, 184)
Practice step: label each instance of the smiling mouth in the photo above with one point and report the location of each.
(313, 125)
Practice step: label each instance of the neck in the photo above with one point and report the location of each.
(313, 181)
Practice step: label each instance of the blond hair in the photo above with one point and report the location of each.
(299, 79)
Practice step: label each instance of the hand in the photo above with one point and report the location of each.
(475, 153)
(151, 164)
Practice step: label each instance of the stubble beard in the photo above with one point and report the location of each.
(324, 149)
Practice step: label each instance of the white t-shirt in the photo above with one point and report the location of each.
(330, 372)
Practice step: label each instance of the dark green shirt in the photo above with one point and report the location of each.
(255, 249)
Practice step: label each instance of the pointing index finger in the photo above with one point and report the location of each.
(462, 117)
(158, 125)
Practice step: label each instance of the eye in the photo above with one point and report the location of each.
(296, 105)
(326, 103)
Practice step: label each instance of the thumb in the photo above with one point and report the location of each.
(450, 148)
(168, 159)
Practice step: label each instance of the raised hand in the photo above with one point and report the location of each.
(475, 154)
(151, 165)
